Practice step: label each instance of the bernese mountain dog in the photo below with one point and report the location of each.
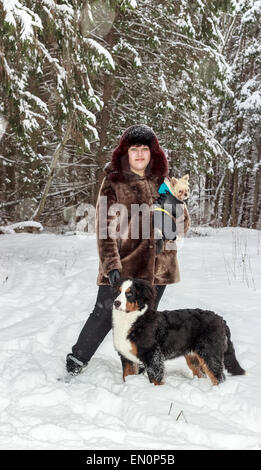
(144, 337)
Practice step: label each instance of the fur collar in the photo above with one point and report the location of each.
(125, 176)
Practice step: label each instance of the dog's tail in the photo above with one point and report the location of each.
(230, 360)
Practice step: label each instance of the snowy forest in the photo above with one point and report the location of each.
(75, 74)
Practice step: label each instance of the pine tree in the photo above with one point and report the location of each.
(239, 120)
(188, 69)
(45, 68)
(169, 70)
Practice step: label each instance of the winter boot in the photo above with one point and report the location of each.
(73, 365)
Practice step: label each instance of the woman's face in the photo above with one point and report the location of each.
(139, 157)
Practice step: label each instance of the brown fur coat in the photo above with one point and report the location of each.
(134, 257)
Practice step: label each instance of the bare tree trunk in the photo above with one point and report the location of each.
(255, 213)
(54, 162)
(104, 126)
(207, 198)
(243, 196)
(217, 200)
(226, 202)
(234, 198)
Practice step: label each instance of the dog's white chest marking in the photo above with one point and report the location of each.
(122, 323)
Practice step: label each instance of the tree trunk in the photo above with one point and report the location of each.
(234, 198)
(243, 195)
(217, 199)
(104, 126)
(53, 165)
(226, 202)
(207, 198)
(256, 207)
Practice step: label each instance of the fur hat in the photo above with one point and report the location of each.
(137, 134)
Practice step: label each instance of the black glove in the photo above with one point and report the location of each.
(114, 276)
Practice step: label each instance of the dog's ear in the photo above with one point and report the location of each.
(186, 177)
(145, 292)
(150, 293)
(174, 180)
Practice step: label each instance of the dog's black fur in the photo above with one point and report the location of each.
(202, 336)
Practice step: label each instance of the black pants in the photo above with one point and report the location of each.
(99, 323)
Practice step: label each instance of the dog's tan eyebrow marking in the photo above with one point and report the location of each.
(120, 289)
(128, 290)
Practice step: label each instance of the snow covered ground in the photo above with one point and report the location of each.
(48, 288)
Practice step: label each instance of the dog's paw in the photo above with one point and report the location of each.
(155, 382)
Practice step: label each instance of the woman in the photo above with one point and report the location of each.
(132, 178)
